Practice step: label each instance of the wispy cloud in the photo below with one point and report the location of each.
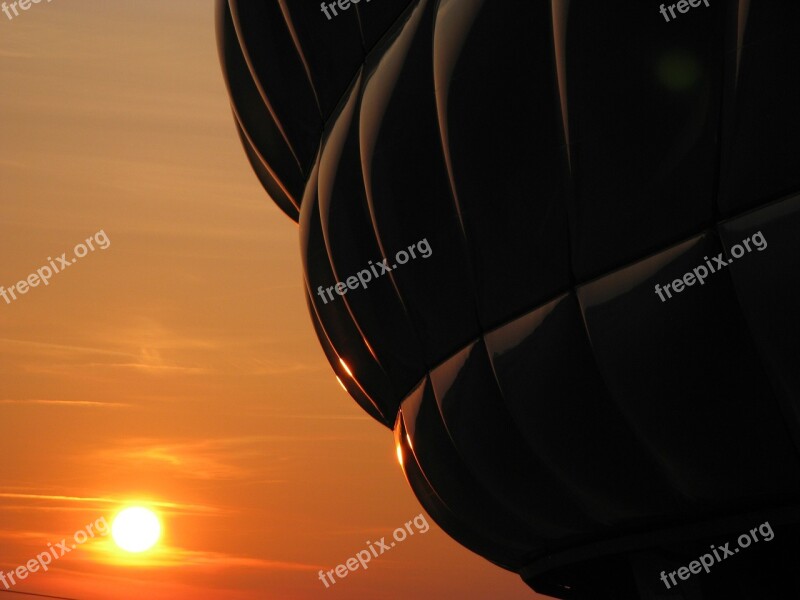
(171, 556)
(69, 403)
(56, 501)
(258, 366)
(63, 348)
(4, 53)
(12, 164)
(219, 459)
(311, 417)
(23, 535)
(155, 349)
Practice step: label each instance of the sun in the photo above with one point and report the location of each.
(136, 529)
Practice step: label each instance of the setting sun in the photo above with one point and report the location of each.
(136, 529)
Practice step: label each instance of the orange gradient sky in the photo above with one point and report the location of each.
(177, 368)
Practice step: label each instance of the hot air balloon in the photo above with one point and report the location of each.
(593, 378)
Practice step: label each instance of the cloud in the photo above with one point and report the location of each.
(218, 459)
(70, 403)
(171, 556)
(23, 535)
(12, 164)
(15, 55)
(57, 502)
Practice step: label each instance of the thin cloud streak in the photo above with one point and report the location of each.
(100, 500)
(218, 459)
(71, 403)
(170, 556)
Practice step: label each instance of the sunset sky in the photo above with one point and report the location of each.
(176, 369)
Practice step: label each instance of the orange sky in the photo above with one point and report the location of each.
(178, 367)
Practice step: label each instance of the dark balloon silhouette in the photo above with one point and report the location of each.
(562, 404)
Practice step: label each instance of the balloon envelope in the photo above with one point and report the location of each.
(594, 370)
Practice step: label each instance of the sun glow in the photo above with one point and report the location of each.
(136, 529)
